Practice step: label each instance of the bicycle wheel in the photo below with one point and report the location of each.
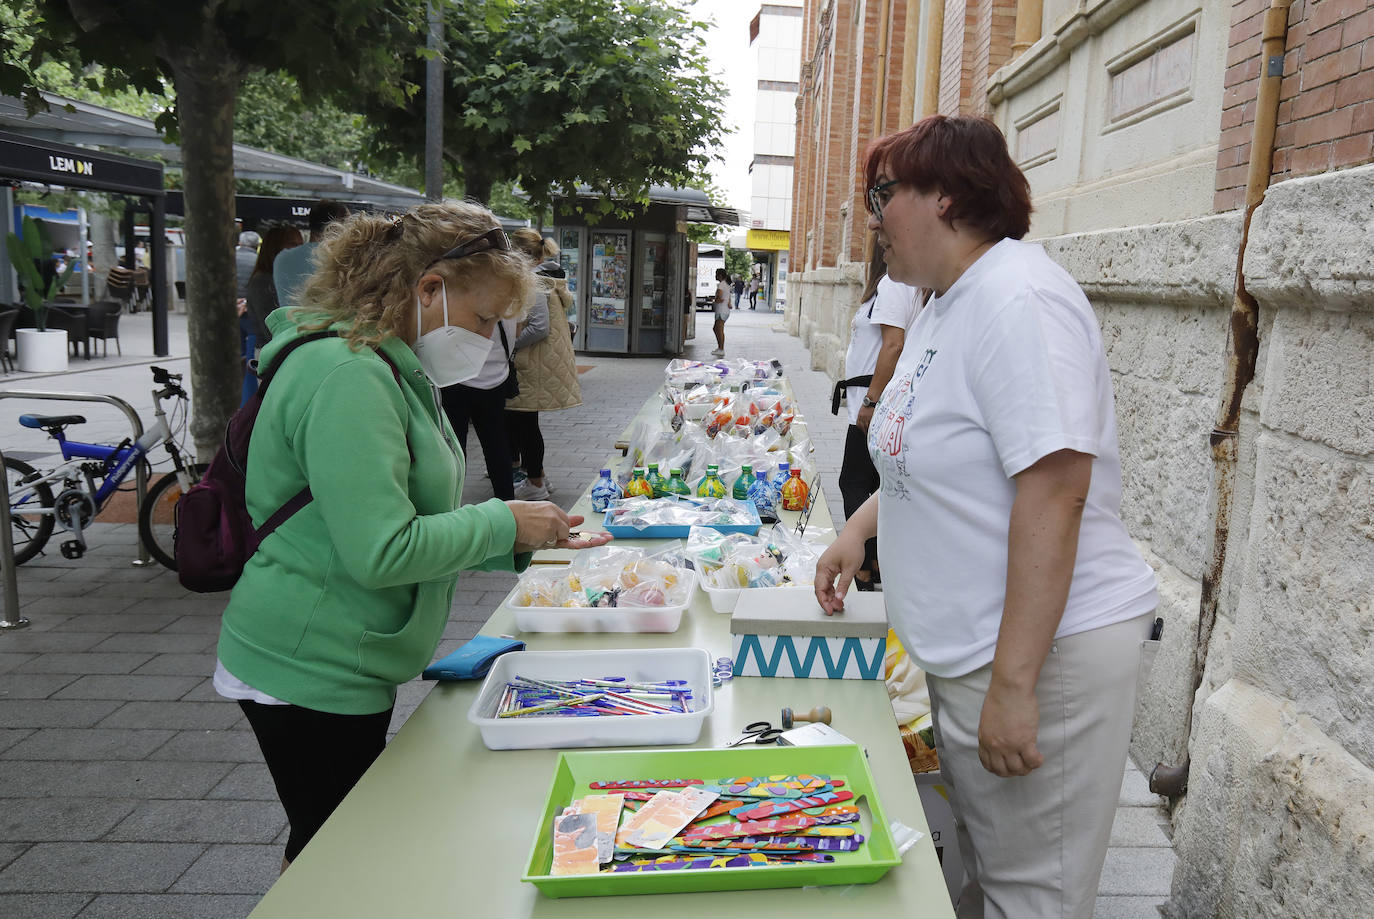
(29, 528)
(157, 516)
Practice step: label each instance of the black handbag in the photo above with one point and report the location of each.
(511, 387)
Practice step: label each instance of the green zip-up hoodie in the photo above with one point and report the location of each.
(349, 597)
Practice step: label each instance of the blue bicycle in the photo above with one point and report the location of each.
(72, 494)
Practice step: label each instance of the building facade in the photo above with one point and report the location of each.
(775, 37)
(1135, 122)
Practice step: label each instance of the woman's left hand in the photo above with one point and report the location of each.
(1007, 730)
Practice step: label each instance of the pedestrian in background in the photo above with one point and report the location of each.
(737, 288)
(722, 310)
(754, 285)
(876, 335)
(544, 364)
(1008, 573)
(245, 257)
(293, 267)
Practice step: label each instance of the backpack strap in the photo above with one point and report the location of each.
(303, 497)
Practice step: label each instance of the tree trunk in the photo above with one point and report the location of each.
(207, 80)
(477, 182)
(102, 250)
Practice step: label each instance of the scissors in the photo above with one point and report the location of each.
(760, 732)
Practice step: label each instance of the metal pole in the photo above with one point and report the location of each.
(434, 107)
(157, 248)
(9, 615)
(82, 228)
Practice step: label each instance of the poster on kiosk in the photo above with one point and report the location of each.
(608, 320)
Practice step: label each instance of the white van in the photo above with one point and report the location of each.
(708, 260)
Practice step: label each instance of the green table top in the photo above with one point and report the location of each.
(441, 826)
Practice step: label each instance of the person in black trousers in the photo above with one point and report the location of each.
(481, 403)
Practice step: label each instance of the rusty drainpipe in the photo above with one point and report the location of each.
(1242, 354)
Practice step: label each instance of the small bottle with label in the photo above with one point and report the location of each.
(794, 492)
(712, 486)
(638, 486)
(761, 493)
(604, 492)
(741, 490)
(776, 483)
(656, 480)
(677, 485)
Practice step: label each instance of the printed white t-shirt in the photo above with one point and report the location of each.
(722, 309)
(894, 304)
(1004, 369)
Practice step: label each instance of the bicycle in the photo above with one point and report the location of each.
(68, 495)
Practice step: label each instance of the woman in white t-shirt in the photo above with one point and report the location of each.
(876, 335)
(1009, 575)
(722, 310)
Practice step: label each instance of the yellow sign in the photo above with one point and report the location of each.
(774, 240)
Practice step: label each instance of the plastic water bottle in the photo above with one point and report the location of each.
(677, 485)
(761, 493)
(795, 492)
(776, 484)
(741, 490)
(656, 481)
(712, 486)
(604, 492)
(638, 486)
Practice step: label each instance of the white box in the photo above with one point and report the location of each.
(603, 618)
(940, 819)
(636, 665)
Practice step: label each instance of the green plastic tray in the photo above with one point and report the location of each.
(577, 770)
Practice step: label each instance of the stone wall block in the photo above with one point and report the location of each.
(1309, 242)
(1306, 613)
(1166, 469)
(1191, 261)
(1319, 378)
(1278, 818)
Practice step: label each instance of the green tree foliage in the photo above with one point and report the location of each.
(204, 49)
(273, 114)
(738, 262)
(614, 94)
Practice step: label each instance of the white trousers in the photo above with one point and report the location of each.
(1033, 845)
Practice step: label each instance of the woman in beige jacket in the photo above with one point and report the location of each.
(544, 364)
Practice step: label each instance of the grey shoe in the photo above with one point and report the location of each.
(528, 491)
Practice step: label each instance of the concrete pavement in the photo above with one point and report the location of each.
(128, 788)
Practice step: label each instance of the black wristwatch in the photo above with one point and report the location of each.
(869, 403)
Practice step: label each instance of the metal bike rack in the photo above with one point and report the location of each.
(140, 474)
(9, 614)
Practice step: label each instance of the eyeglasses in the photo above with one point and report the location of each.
(879, 195)
(492, 240)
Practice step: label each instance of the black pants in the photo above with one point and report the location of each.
(529, 441)
(485, 410)
(315, 759)
(859, 480)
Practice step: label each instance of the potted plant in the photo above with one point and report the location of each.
(40, 350)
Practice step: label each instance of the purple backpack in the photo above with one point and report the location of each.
(214, 535)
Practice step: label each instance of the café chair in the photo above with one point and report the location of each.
(72, 318)
(7, 318)
(102, 322)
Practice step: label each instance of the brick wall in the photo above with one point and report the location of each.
(1326, 99)
(991, 47)
(956, 56)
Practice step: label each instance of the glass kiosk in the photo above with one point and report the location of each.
(631, 277)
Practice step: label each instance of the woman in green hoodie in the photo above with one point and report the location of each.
(349, 597)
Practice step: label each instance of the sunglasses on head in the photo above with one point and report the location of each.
(492, 240)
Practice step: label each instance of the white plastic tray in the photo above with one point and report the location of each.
(603, 619)
(724, 599)
(638, 664)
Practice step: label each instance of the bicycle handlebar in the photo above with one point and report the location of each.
(162, 376)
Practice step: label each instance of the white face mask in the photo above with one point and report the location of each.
(449, 354)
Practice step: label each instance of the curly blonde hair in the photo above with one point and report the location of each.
(368, 266)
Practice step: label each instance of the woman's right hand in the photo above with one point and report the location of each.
(835, 571)
(545, 525)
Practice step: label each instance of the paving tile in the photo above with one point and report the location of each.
(1138, 872)
(42, 905)
(1138, 826)
(64, 819)
(158, 643)
(110, 662)
(246, 782)
(88, 744)
(198, 625)
(211, 747)
(112, 779)
(203, 691)
(32, 685)
(106, 603)
(11, 736)
(57, 640)
(175, 716)
(232, 869)
(170, 906)
(62, 713)
(137, 620)
(1128, 907)
(129, 687)
(9, 851)
(190, 604)
(99, 867)
(9, 660)
(201, 665)
(202, 821)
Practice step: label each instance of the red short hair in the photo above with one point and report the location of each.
(965, 158)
